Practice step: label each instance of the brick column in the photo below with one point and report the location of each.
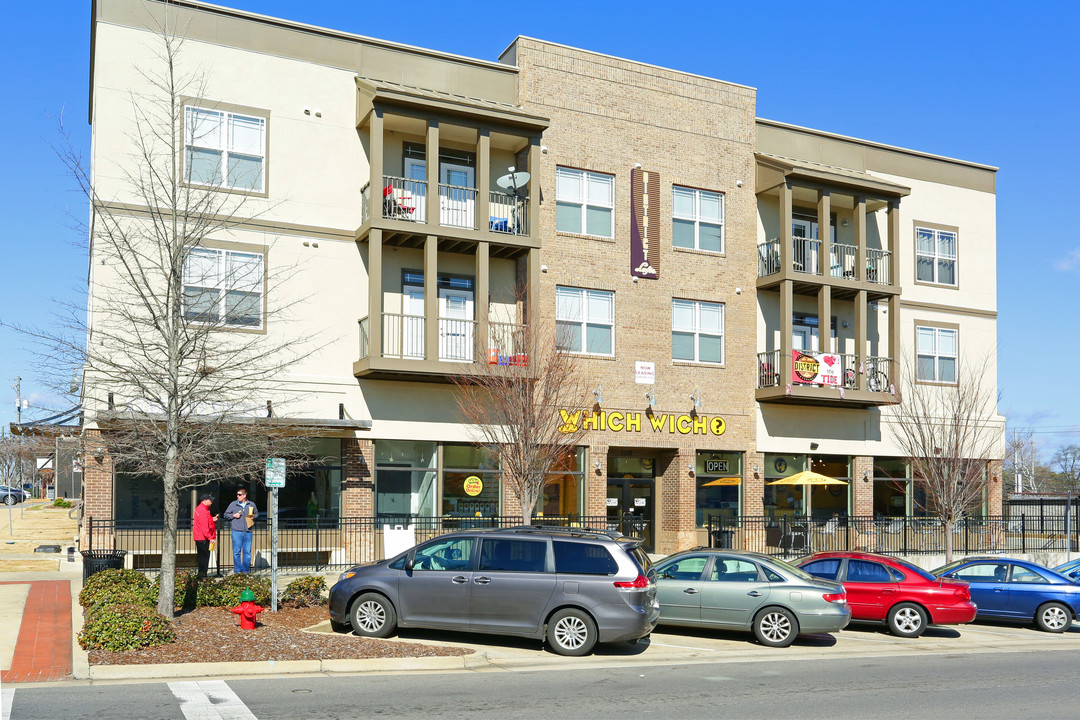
(752, 537)
(98, 470)
(994, 494)
(358, 499)
(596, 481)
(679, 503)
(862, 501)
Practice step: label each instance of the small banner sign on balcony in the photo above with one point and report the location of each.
(816, 369)
(644, 224)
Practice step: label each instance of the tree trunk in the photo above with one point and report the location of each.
(167, 592)
(949, 524)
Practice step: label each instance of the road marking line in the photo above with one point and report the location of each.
(210, 700)
(6, 696)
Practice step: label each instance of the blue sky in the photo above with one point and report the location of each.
(977, 81)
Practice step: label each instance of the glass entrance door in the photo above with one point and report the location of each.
(630, 492)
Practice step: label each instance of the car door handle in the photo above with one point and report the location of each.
(754, 593)
(690, 591)
(459, 579)
(999, 589)
(888, 590)
(482, 580)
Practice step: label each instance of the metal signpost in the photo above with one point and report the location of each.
(275, 479)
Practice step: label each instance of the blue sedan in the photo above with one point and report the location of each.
(1008, 589)
(1070, 569)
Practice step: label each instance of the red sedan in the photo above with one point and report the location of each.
(882, 589)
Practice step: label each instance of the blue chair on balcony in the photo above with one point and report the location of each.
(500, 224)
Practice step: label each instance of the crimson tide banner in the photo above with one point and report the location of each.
(816, 368)
(644, 224)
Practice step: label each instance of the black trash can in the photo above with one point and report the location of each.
(97, 560)
(724, 539)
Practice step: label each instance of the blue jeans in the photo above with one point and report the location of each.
(241, 544)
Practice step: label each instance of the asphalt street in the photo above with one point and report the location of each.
(977, 671)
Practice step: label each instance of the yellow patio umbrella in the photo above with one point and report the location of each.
(808, 478)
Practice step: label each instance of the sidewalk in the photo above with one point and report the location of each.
(37, 643)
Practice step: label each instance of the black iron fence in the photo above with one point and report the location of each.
(316, 544)
(794, 535)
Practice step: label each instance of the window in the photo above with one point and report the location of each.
(936, 349)
(513, 555)
(697, 219)
(697, 331)
(444, 555)
(732, 570)
(868, 572)
(224, 149)
(223, 286)
(584, 202)
(584, 320)
(1023, 575)
(687, 568)
(827, 569)
(583, 559)
(983, 572)
(935, 256)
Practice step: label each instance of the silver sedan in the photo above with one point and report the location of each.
(748, 591)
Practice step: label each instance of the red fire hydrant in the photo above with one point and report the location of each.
(248, 610)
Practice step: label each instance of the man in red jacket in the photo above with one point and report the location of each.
(204, 531)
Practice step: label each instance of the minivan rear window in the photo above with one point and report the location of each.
(513, 555)
(583, 559)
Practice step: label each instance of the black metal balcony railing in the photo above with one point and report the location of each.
(843, 260)
(406, 199)
(316, 543)
(773, 372)
(792, 535)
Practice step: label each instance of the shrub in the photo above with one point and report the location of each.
(61, 503)
(186, 588)
(305, 591)
(226, 592)
(116, 587)
(124, 627)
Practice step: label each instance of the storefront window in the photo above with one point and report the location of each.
(719, 485)
(783, 500)
(404, 478)
(562, 488)
(827, 501)
(892, 486)
(470, 482)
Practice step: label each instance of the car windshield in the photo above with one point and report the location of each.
(791, 570)
(945, 569)
(917, 570)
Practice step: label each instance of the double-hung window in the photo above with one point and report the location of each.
(224, 149)
(223, 287)
(697, 219)
(585, 320)
(935, 256)
(697, 331)
(936, 349)
(584, 202)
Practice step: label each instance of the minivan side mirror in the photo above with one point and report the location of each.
(410, 562)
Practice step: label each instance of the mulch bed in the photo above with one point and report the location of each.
(214, 635)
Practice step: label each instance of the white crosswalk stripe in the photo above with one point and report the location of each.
(6, 696)
(210, 700)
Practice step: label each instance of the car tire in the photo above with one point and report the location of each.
(571, 632)
(776, 627)
(10, 500)
(372, 615)
(907, 620)
(1053, 617)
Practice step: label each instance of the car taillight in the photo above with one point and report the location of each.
(963, 592)
(639, 582)
(839, 598)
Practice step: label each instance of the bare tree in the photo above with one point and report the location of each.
(525, 405)
(1067, 461)
(948, 432)
(177, 370)
(1021, 463)
(16, 460)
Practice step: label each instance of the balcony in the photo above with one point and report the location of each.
(405, 200)
(854, 382)
(843, 273)
(403, 354)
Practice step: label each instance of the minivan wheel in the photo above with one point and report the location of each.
(1053, 617)
(372, 615)
(907, 620)
(571, 632)
(776, 627)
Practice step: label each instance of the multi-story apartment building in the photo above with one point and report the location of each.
(670, 235)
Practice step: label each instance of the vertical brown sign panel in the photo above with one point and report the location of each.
(644, 224)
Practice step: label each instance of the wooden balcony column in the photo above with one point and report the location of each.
(375, 291)
(825, 245)
(861, 313)
(533, 212)
(824, 313)
(532, 288)
(786, 251)
(894, 342)
(483, 185)
(483, 302)
(859, 222)
(786, 324)
(431, 295)
(431, 155)
(375, 196)
(894, 242)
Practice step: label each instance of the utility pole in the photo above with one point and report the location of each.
(18, 421)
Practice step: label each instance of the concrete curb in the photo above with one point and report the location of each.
(283, 667)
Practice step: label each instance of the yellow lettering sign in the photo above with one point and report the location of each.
(717, 426)
(633, 422)
(683, 424)
(569, 421)
(615, 421)
(657, 422)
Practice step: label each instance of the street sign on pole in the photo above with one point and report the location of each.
(275, 480)
(275, 472)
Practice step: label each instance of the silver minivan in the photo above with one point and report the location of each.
(573, 587)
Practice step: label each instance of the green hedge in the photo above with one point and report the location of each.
(226, 591)
(124, 627)
(305, 591)
(118, 587)
(185, 590)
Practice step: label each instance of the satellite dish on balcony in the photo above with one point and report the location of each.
(513, 181)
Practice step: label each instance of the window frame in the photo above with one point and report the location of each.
(227, 111)
(936, 231)
(584, 201)
(584, 321)
(937, 356)
(698, 332)
(697, 220)
(223, 250)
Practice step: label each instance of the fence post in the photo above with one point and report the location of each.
(1023, 533)
(318, 548)
(90, 533)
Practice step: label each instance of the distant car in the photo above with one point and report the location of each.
(1011, 589)
(747, 591)
(882, 589)
(11, 495)
(1070, 569)
(573, 587)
